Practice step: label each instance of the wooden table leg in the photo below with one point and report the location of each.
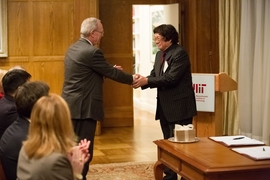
(158, 170)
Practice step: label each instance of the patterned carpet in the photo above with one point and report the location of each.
(122, 171)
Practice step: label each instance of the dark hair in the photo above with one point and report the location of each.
(13, 79)
(168, 32)
(27, 95)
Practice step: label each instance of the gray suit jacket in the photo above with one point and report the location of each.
(55, 166)
(175, 92)
(85, 70)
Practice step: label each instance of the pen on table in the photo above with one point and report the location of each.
(237, 138)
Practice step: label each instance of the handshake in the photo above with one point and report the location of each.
(139, 80)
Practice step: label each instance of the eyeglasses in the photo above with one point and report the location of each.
(101, 32)
(158, 38)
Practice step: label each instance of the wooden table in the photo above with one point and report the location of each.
(208, 160)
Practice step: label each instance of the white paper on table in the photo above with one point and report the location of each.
(257, 153)
(233, 141)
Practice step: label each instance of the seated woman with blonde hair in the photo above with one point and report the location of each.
(50, 152)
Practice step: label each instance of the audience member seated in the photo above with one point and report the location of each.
(11, 141)
(11, 81)
(2, 73)
(49, 151)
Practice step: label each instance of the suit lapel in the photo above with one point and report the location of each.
(159, 58)
(168, 56)
(167, 59)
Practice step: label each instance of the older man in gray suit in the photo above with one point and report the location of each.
(85, 69)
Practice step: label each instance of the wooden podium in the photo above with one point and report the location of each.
(211, 123)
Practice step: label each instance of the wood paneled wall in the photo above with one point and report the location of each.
(199, 19)
(39, 33)
(199, 33)
(117, 48)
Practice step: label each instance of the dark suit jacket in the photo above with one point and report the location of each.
(175, 92)
(85, 69)
(10, 145)
(8, 113)
(55, 166)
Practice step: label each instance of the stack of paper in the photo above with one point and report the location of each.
(256, 153)
(236, 140)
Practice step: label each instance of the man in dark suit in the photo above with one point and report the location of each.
(10, 82)
(16, 133)
(85, 70)
(171, 76)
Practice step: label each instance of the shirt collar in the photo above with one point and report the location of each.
(87, 40)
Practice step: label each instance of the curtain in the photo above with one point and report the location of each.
(254, 70)
(229, 37)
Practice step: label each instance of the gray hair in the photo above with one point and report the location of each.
(89, 25)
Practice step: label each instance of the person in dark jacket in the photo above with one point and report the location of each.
(172, 77)
(10, 82)
(11, 141)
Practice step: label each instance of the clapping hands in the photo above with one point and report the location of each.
(84, 146)
(79, 155)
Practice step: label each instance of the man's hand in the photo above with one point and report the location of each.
(139, 81)
(118, 67)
